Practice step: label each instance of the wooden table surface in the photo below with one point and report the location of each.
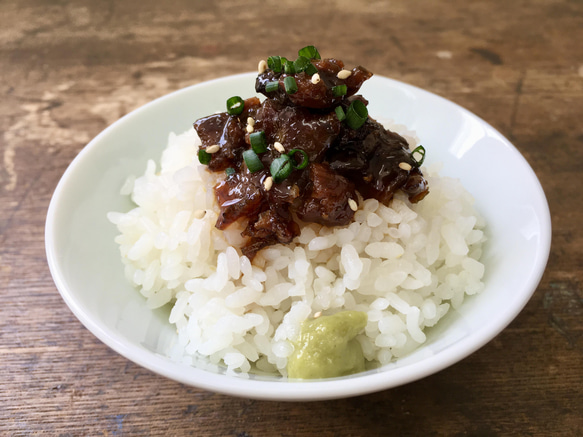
(70, 68)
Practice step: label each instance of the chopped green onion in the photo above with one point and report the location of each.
(309, 52)
(290, 85)
(258, 143)
(235, 105)
(304, 162)
(281, 168)
(229, 171)
(271, 86)
(301, 64)
(356, 114)
(304, 64)
(289, 68)
(311, 69)
(339, 90)
(274, 62)
(252, 161)
(421, 151)
(203, 157)
(340, 113)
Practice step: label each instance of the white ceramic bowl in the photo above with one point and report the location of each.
(85, 263)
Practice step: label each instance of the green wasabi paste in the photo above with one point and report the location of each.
(327, 347)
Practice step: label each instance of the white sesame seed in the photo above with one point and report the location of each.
(250, 128)
(250, 121)
(198, 214)
(404, 166)
(353, 205)
(262, 66)
(417, 156)
(212, 149)
(279, 147)
(268, 183)
(315, 78)
(343, 74)
(317, 314)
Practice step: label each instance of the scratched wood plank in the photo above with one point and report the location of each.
(69, 69)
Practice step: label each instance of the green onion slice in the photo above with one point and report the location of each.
(258, 142)
(229, 171)
(356, 114)
(290, 84)
(304, 162)
(252, 161)
(421, 151)
(301, 64)
(235, 105)
(311, 69)
(274, 62)
(281, 168)
(340, 113)
(289, 68)
(339, 90)
(271, 86)
(309, 52)
(203, 157)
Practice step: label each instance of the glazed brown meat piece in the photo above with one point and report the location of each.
(299, 128)
(239, 195)
(373, 158)
(242, 195)
(228, 133)
(272, 226)
(342, 158)
(250, 108)
(327, 196)
(314, 95)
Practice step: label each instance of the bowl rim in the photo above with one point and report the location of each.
(334, 388)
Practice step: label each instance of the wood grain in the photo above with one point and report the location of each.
(70, 68)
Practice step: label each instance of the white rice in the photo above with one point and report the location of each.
(404, 265)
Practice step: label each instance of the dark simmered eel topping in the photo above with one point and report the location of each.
(303, 152)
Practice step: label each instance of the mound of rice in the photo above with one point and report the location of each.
(405, 266)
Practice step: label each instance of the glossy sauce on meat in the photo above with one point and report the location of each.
(342, 160)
